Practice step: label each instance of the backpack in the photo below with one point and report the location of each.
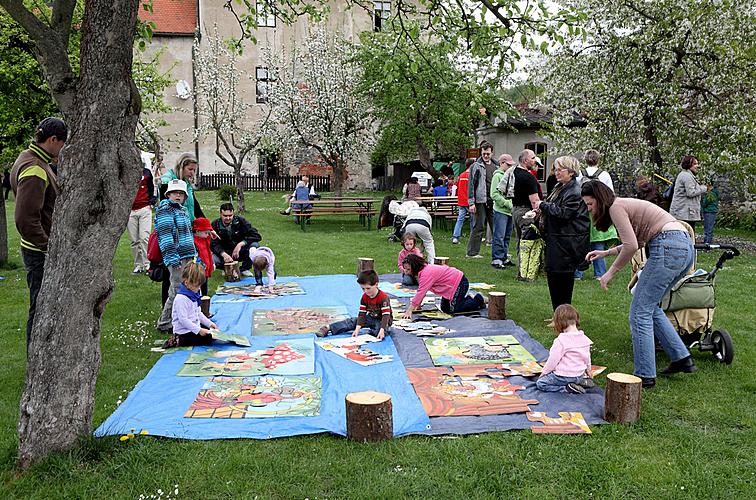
(670, 191)
(153, 248)
(586, 177)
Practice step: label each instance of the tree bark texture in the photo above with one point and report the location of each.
(99, 173)
(369, 416)
(497, 305)
(622, 398)
(364, 264)
(239, 188)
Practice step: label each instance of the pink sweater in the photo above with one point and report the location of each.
(441, 280)
(570, 355)
(405, 253)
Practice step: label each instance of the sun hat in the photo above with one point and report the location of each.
(201, 224)
(177, 185)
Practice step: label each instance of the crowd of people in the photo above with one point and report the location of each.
(580, 220)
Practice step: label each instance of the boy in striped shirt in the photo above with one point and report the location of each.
(375, 311)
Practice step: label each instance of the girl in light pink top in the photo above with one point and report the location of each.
(448, 282)
(568, 368)
(409, 246)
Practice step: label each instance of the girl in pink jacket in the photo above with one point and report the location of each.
(448, 282)
(409, 246)
(568, 368)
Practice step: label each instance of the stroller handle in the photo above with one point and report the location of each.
(734, 252)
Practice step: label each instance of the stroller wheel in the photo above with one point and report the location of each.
(723, 348)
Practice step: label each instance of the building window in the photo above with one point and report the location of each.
(541, 151)
(381, 14)
(266, 16)
(268, 164)
(263, 80)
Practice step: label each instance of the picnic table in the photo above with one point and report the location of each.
(440, 208)
(362, 207)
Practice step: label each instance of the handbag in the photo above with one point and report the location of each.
(157, 271)
(153, 248)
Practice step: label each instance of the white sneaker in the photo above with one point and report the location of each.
(248, 273)
(137, 270)
(455, 241)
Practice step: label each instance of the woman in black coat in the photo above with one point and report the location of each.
(567, 231)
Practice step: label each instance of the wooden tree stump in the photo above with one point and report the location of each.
(441, 261)
(231, 271)
(368, 416)
(622, 398)
(205, 305)
(497, 305)
(364, 264)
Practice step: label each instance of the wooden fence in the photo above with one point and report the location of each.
(257, 183)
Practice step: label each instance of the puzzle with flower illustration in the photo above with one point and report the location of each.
(243, 292)
(466, 390)
(353, 349)
(477, 350)
(294, 320)
(282, 357)
(257, 397)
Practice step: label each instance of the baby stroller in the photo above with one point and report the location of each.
(690, 306)
(399, 211)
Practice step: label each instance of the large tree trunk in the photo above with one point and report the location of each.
(239, 188)
(652, 141)
(339, 168)
(100, 169)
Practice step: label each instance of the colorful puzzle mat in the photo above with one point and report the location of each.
(449, 351)
(159, 402)
(397, 289)
(281, 357)
(244, 291)
(355, 349)
(231, 338)
(568, 422)
(294, 320)
(257, 397)
(466, 390)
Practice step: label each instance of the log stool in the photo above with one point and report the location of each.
(364, 264)
(368, 416)
(441, 261)
(205, 305)
(497, 305)
(231, 271)
(622, 398)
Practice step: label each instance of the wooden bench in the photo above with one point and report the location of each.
(440, 208)
(333, 206)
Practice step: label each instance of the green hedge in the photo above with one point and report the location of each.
(733, 217)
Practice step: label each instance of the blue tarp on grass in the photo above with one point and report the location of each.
(157, 403)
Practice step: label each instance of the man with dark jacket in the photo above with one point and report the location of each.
(35, 184)
(479, 197)
(235, 237)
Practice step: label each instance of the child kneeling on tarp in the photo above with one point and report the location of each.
(568, 368)
(448, 282)
(375, 311)
(190, 326)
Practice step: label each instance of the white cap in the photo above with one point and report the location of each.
(177, 185)
(538, 161)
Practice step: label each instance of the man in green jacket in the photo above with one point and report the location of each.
(35, 184)
(502, 217)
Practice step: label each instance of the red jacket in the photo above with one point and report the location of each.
(462, 181)
(204, 253)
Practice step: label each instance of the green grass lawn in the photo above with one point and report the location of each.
(695, 438)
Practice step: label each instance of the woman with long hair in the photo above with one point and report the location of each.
(640, 223)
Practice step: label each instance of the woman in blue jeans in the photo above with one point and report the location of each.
(670, 255)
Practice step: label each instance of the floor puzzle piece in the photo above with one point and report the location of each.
(498, 370)
(231, 337)
(596, 369)
(243, 292)
(294, 320)
(257, 397)
(477, 350)
(435, 314)
(569, 422)
(481, 286)
(396, 289)
(449, 392)
(353, 349)
(282, 357)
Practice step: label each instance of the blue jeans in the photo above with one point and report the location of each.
(551, 382)
(502, 230)
(709, 219)
(408, 279)
(599, 265)
(460, 302)
(457, 233)
(670, 257)
(348, 325)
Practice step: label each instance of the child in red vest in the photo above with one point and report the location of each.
(202, 228)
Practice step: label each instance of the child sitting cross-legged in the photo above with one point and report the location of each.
(409, 245)
(190, 326)
(568, 368)
(375, 311)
